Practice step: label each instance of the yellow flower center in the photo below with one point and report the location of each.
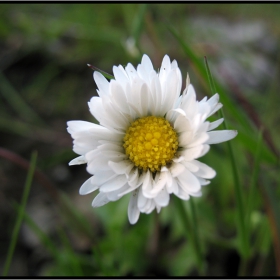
(150, 143)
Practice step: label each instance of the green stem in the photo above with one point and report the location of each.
(20, 214)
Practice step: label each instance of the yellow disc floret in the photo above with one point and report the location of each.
(150, 143)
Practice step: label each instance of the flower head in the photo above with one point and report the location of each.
(148, 139)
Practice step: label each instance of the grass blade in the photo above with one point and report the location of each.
(190, 232)
(105, 74)
(20, 214)
(243, 239)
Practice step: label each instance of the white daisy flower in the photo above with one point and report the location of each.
(148, 139)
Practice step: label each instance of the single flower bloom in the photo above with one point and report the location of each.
(148, 139)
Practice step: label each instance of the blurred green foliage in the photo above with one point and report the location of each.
(45, 81)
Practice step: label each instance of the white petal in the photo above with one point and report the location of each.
(115, 195)
(142, 200)
(133, 211)
(122, 167)
(176, 169)
(185, 138)
(162, 198)
(78, 160)
(100, 200)
(182, 194)
(87, 187)
(220, 136)
(120, 75)
(182, 124)
(119, 97)
(188, 182)
(96, 107)
(160, 183)
(147, 64)
(215, 124)
(131, 72)
(102, 83)
(213, 101)
(190, 166)
(101, 177)
(204, 170)
(192, 153)
(144, 93)
(215, 109)
(113, 184)
(199, 139)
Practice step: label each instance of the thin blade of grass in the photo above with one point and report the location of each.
(138, 22)
(243, 244)
(17, 102)
(20, 214)
(189, 230)
(253, 184)
(105, 74)
(75, 263)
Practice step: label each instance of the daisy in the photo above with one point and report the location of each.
(148, 139)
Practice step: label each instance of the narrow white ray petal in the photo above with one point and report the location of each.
(178, 159)
(170, 90)
(100, 200)
(196, 194)
(144, 93)
(158, 208)
(113, 184)
(131, 72)
(101, 177)
(164, 69)
(96, 108)
(114, 147)
(213, 100)
(185, 138)
(102, 83)
(87, 187)
(119, 97)
(122, 167)
(199, 139)
(203, 182)
(176, 169)
(182, 124)
(188, 181)
(115, 156)
(133, 211)
(142, 73)
(76, 126)
(120, 75)
(192, 153)
(146, 180)
(220, 136)
(204, 171)
(149, 208)
(205, 150)
(162, 199)
(190, 166)
(182, 194)
(215, 109)
(146, 62)
(142, 200)
(160, 183)
(78, 160)
(215, 124)
(115, 195)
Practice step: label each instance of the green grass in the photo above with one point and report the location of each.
(45, 81)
